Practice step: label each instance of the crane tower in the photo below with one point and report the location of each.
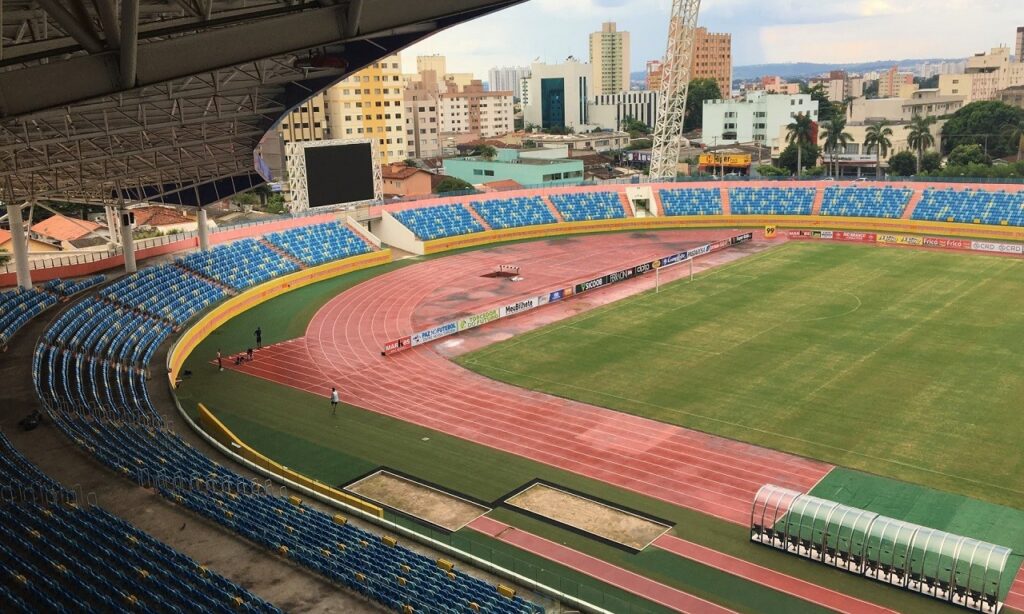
(675, 81)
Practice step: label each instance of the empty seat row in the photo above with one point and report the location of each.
(885, 202)
(438, 222)
(164, 291)
(692, 201)
(239, 265)
(514, 212)
(70, 287)
(771, 201)
(19, 306)
(971, 207)
(319, 243)
(586, 206)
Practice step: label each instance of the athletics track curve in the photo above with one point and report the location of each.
(342, 346)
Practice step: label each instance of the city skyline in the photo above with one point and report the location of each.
(836, 32)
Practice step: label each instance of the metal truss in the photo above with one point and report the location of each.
(109, 96)
(668, 131)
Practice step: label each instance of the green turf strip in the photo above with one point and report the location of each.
(296, 429)
(899, 362)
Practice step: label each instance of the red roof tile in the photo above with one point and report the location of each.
(63, 228)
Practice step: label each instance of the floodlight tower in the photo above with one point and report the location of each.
(675, 81)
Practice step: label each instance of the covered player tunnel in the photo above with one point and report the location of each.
(961, 570)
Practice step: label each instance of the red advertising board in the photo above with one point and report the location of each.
(393, 347)
(864, 237)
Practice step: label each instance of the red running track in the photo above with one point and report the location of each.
(342, 346)
(616, 576)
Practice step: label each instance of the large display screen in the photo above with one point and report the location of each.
(339, 174)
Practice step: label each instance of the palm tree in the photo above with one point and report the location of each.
(800, 132)
(920, 137)
(835, 137)
(1015, 132)
(877, 136)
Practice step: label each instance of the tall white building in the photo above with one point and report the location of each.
(609, 111)
(609, 59)
(758, 117)
(507, 78)
(556, 95)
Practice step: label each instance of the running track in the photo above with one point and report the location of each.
(342, 347)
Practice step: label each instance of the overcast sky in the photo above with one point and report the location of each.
(763, 31)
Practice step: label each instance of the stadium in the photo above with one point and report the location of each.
(645, 396)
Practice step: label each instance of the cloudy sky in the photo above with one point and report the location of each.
(763, 31)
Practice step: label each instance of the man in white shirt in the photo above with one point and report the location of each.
(334, 401)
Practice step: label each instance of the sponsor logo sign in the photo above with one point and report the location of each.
(615, 277)
(866, 237)
(397, 345)
(769, 232)
(947, 243)
(1002, 248)
(555, 296)
(478, 319)
(426, 336)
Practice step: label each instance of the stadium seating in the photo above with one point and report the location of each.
(437, 222)
(514, 212)
(68, 287)
(19, 306)
(59, 555)
(239, 265)
(971, 207)
(692, 201)
(584, 206)
(771, 201)
(320, 243)
(885, 202)
(165, 292)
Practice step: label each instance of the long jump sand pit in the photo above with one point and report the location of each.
(589, 516)
(409, 497)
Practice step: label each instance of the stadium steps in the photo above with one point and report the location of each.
(819, 198)
(476, 216)
(625, 204)
(280, 252)
(915, 197)
(137, 311)
(726, 204)
(226, 288)
(553, 209)
(659, 209)
(358, 230)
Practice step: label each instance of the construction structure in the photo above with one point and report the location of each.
(675, 81)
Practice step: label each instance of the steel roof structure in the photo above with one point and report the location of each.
(168, 99)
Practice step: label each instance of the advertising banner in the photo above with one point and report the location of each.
(865, 237)
(1002, 248)
(392, 347)
(557, 295)
(524, 305)
(478, 319)
(947, 243)
(615, 277)
(426, 336)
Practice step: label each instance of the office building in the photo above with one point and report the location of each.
(984, 76)
(609, 111)
(756, 118)
(712, 58)
(1019, 47)
(556, 95)
(507, 78)
(609, 59)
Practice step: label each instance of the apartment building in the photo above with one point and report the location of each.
(712, 58)
(609, 59)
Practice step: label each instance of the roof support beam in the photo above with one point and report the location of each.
(108, 17)
(75, 28)
(129, 41)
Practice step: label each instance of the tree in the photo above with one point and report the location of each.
(4, 256)
(487, 152)
(410, 163)
(699, 91)
(1015, 133)
(920, 136)
(904, 164)
(827, 109)
(931, 161)
(801, 132)
(983, 123)
(871, 89)
(767, 170)
(791, 156)
(930, 83)
(635, 127)
(452, 184)
(835, 138)
(964, 155)
(877, 137)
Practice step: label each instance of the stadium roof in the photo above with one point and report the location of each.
(168, 100)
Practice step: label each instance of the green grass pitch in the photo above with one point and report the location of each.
(902, 363)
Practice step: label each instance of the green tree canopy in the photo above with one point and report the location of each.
(834, 138)
(635, 127)
(931, 161)
(699, 91)
(903, 164)
(828, 110)
(487, 152)
(983, 121)
(788, 158)
(919, 135)
(876, 138)
(963, 155)
(801, 132)
(452, 184)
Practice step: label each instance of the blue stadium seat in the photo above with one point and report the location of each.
(320, 243)
(514, 212)
(691, 201)
(438, 222)
(771, 201)
(239, 265)
(886, 202)
(584, 206)
(971, 207)
(18, 306)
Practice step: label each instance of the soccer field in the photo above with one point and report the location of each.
(903, 363)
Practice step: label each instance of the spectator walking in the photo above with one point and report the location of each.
(334, 401)
(259, 337)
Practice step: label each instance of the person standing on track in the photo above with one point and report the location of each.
(259, 337)
(220, 360)
(334, 401)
